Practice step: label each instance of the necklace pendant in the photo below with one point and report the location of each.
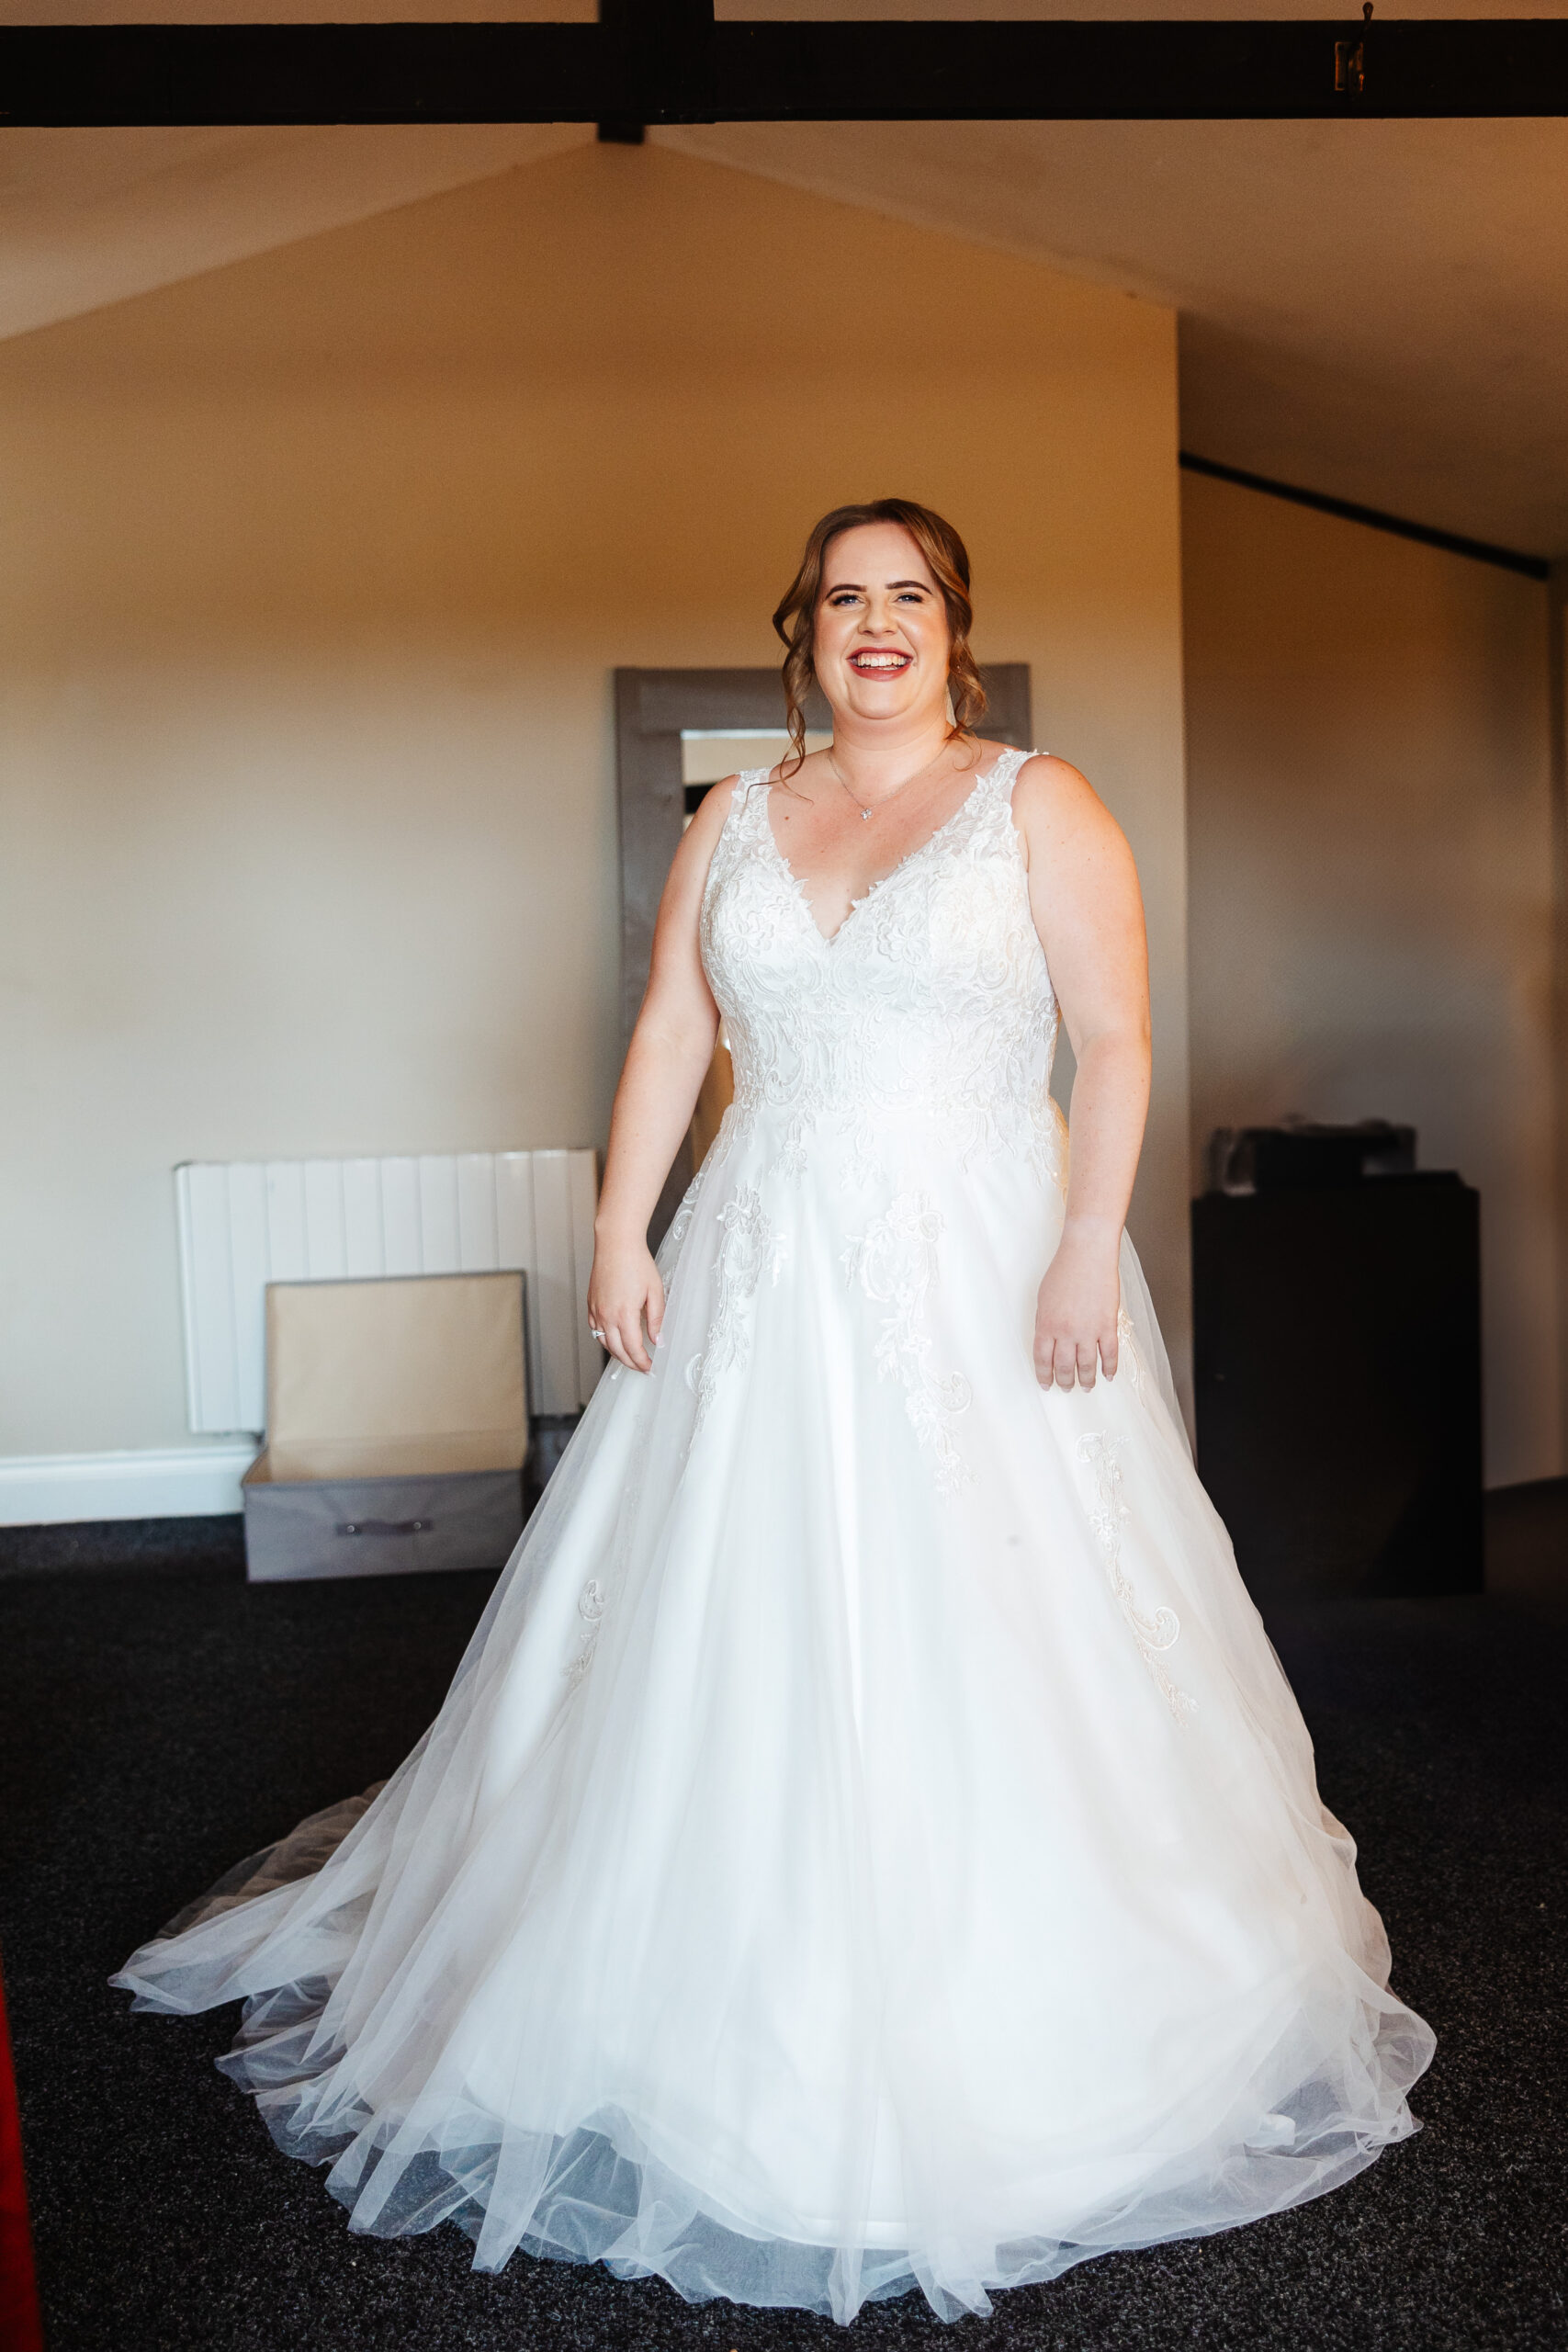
(865, 816)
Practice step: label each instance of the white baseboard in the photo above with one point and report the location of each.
(167, 1482)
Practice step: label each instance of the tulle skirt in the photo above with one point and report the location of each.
(869, 1840)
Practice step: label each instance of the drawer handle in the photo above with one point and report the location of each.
(384, 1526)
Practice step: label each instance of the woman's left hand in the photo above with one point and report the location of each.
(1074, 1316)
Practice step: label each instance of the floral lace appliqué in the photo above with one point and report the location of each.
(748, 1248)
(1127, 1339)
(591, 1607)
(894, 1262)
(1100, 1455)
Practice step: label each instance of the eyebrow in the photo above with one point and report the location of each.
(840, 585)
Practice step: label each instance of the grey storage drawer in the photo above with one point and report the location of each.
(381, 1527)
(396, 1427)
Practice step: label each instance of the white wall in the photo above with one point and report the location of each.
(316, 570)
(1371, 879)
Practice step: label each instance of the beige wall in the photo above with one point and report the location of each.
(1371, 886)
(316, 571)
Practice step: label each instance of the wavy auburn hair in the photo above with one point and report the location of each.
(948, 561)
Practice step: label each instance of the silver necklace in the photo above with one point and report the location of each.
(867, 814)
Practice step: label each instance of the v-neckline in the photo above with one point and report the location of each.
(832, 938)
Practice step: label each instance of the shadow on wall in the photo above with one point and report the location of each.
(1371, 905)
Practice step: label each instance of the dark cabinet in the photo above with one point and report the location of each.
(1337, 1355)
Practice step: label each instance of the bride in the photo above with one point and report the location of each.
(870, 1840)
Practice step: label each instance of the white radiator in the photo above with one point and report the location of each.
(246, 1223)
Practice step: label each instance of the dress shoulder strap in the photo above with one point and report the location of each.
(738, 833)
(1005, 774)
(749, 801)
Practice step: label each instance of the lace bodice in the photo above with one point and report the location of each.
(930, 1004)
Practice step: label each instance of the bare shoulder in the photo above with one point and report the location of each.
(1052, 791)
(805, 779)
(687, 878)
(1057, 809)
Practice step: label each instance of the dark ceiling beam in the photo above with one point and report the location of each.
(666, 61)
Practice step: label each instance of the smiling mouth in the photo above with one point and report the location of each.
(880, 665)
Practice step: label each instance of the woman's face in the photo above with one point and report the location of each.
(880, 640)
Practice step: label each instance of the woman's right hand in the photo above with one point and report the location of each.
(624, 1293)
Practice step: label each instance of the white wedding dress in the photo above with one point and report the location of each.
(869, 1839)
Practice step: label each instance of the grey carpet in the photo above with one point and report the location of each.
(155, 1727)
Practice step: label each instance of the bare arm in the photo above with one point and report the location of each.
(669, 1055)
(1088, 909)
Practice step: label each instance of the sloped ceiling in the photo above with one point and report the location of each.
(1376, 309)
(91, 216)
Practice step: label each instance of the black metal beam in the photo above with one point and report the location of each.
(1426, 535)
(666, 61)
